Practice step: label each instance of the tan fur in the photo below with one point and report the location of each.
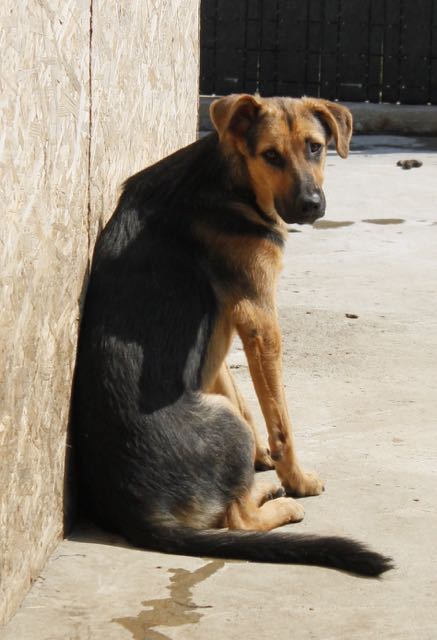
(218, 348)
(247, 515)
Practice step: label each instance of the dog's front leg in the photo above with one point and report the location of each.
(261, 337)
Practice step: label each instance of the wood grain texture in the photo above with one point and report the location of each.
(142, 99)
(145, 89)
(43, 248)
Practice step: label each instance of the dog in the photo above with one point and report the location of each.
(165, 444)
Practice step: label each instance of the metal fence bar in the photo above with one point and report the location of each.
(357, 50)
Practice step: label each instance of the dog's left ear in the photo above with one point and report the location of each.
(337, 120)
(234, 113)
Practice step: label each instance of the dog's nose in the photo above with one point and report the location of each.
(311, 203)
(307, 208)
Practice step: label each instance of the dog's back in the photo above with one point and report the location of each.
(148, 316)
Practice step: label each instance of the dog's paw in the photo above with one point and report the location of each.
(263, 460)
(290, 510)
(303, 484)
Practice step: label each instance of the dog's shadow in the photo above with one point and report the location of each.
(70, 493)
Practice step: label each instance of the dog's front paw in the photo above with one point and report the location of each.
(302, 484)
(263, 460)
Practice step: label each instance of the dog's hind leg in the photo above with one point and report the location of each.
(209, 470)
(245, 514)
(226, 386)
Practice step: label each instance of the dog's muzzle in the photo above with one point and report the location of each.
(307, 207)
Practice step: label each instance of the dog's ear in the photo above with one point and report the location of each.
(336, 119)
(234, 113)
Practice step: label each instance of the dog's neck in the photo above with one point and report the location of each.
(199, 177)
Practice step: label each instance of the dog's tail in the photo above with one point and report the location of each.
(275, 546)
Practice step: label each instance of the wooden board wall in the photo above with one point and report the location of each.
(126, 73)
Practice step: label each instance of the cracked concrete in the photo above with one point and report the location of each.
(357, 307)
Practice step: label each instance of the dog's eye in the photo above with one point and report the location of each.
(315, 147)
(273, 157)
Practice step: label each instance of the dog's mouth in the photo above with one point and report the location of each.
(309, 219)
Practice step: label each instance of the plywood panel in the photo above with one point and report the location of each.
(145, 89)
(43, 248)
(126, 75)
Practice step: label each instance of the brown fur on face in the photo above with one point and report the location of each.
(279, 145)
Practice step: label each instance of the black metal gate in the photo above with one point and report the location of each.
(356, 50)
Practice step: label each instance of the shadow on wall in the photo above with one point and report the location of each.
(70, 495)
(71, 508)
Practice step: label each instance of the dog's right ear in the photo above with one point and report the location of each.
(234, 114)
(337, 119)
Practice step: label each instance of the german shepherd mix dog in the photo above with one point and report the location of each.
(166, 445)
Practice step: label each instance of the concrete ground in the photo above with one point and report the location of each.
(357, 303)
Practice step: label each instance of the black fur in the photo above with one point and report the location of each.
(274, 546)
(151, 448)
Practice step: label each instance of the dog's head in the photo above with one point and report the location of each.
(279, 149)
